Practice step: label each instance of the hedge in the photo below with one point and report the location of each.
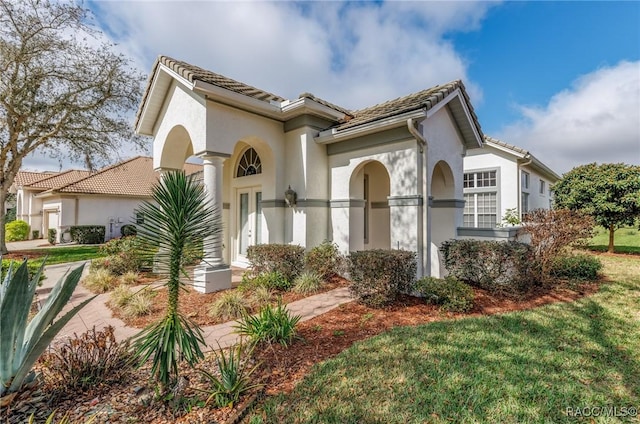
(379, 276)
(88, 234)
(287, 259)
(502, 267)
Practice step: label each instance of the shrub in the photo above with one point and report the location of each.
(141, 303)
(273, 324)
(307, 282)
(261, 296)
(51, 235)
(87, 234)
(120, 296)
(129, 278)
(35, 234)
(91, 359)
(130, 249)
(229, 306)
(271, 280)
(234, 377)
(325, 260)
(500, 267)
(16, 231)
(552, 232)
(378, 276)
(128, 230)
(286, 259)
(576, 267)
(452, 295)
(99, 281)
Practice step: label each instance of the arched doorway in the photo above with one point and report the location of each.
(369, 218)
(251, 175)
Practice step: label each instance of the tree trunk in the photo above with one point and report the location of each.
(3, 245)
(611, 231)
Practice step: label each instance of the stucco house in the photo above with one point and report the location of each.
(501, 176)
(107, 197)
(304, 170)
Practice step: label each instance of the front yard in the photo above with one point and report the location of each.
(541, 365)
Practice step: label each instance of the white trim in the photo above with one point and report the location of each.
(334, 136)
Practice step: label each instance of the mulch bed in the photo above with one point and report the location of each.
(281, 368)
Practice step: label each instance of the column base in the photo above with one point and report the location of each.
(208, 279)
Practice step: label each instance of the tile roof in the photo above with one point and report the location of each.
(505, 145)
(193, 73)
(134, 177)
(60, 179)
(24, 178)
(422, 99)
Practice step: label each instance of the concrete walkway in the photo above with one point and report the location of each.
(97, 314)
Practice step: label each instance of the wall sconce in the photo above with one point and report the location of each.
(290, 197)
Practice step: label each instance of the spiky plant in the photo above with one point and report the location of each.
(23, 341)
(177, 217)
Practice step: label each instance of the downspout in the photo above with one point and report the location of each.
(519, 180)
(425, 242)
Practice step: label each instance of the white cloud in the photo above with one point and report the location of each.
(353, 54)
(597, 119)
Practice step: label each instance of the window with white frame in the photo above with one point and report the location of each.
(525, 178)
(542, 187)
(481, 199)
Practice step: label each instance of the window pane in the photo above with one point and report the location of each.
(468, 181)
(258, 217)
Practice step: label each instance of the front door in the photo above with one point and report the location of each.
(249, 220)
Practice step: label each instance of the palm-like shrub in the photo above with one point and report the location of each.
(23, 341)
(234, 377)
(177, 217)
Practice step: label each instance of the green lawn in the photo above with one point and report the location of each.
(518, 367)
(627, 240)
(58, 255)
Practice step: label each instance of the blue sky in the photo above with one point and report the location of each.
(561, 79)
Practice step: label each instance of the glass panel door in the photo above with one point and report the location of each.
(249, 220)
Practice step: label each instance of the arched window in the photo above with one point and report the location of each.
(249, 164)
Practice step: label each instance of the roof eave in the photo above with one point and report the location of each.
(333, 135)
(467, 124)
(307, 106)
(156, 91)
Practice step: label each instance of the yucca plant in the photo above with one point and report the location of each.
(177, 218)
(23, 341)
(234, 377)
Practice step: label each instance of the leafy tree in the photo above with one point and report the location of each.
(610, 193)
(177, 218)
(63, 91)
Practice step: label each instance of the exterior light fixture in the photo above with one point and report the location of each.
(290, 197)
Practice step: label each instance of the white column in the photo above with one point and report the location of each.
(213, 274)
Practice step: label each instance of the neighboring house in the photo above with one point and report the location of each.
(305, 170)
(107, 197)
(501, 176)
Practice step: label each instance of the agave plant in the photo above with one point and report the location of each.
(22, 340)
(177, 218)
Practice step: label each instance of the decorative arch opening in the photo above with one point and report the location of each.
(249, 163)
(369, 217)
(176, 149)
(442, 181)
